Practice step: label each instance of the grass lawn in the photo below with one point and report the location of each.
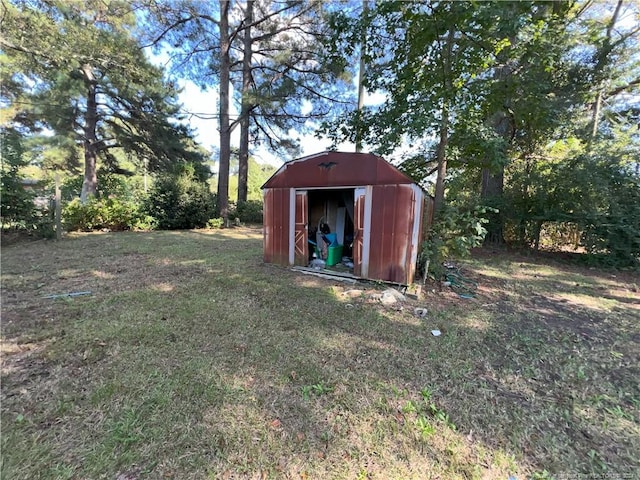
(193, 359)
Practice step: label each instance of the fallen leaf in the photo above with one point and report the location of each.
(276, 424)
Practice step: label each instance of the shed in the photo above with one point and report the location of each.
(374, 209)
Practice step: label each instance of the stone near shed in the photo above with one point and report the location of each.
(396, 294)
(420, 312)
(391, 296)
(387, 299)
(354, 293)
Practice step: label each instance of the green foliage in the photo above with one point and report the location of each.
(105, 213)
(611, 225)
(592, 197)
(179, 201)
(454, 233)
(258, 174)
(71, 188)
(317, 389)
(109, 184)
(247, 212)
(18, 209)
(72, 46)
(215, 223)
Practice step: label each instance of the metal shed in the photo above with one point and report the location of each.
(364, 199)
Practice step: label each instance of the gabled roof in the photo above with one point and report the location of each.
(336, 169)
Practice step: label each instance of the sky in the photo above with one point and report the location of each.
(203, 105)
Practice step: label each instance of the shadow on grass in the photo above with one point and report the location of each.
(193, 358)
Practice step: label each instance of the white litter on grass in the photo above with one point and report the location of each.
(436, 333)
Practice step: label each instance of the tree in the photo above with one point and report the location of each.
(288, 81)
(614, 63)
(200, 38)
(269, 51)
(428, 62)
(17, 205)
(80, 73)
(468, 82)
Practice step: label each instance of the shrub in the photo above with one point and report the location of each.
(249, 211)
(214, 223)
(110, 213)
(17, 210)
(109, 185)
(180, 201)
(455, 232)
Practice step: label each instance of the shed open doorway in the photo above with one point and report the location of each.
(331, 226)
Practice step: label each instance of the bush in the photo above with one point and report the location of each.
(214, 223)
(455, 232)
(109, 185)
(248, 212)
(17, 209)
(110, 213)
(180, 201)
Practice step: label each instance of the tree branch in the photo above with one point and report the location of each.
(167, 30)
(622, 88)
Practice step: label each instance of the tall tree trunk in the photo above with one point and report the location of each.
(243, 157)
(225, 131)
(595, 118)
(363, 38)
(441, 151)
(492, 187)
(441, 156)
(90, 183)
(601, 64)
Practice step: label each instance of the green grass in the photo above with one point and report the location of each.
(193, 359)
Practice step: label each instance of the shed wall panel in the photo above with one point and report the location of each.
(276, 226)
(391, 233)
(301, 222)
(358, 230)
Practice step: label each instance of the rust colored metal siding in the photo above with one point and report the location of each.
(392, 224)
(300, 238)
(358, 232)
(389, 212)
(336, 169)
(276, 225)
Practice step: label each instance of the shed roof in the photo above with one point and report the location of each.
(336, 169)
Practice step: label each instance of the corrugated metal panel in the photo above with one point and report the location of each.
(416, 238)
(276, 226)
(300, 237)
(336, 169)
(358, 231)
(392, 221)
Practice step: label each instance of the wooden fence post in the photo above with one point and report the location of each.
(58, 208)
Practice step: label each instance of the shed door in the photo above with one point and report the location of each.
(301, 249)
(359, 232)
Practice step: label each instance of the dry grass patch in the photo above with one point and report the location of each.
(193, 359)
